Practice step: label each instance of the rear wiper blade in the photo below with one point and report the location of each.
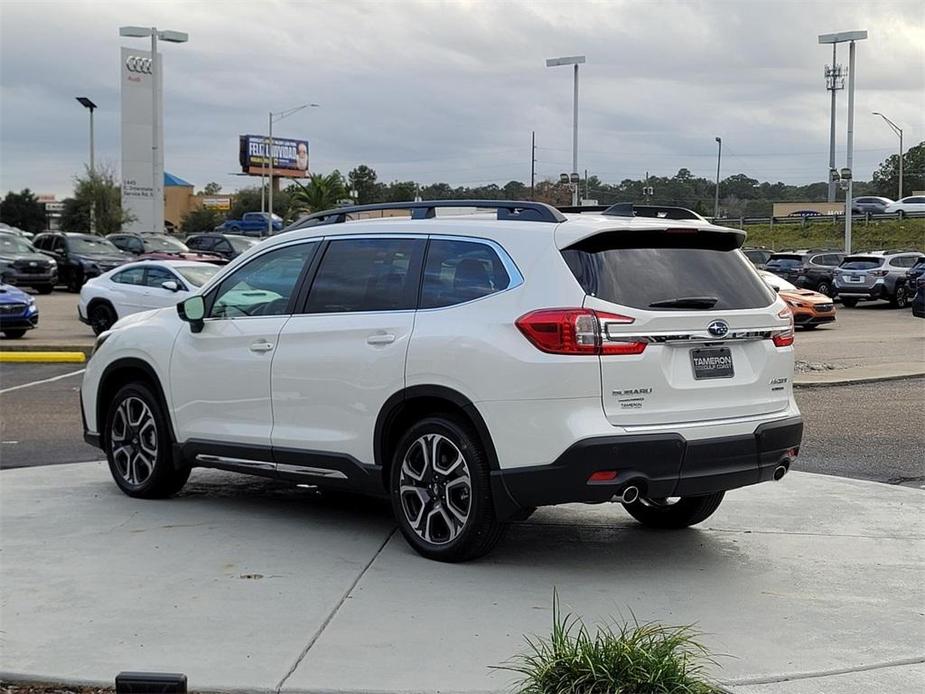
(686, 302)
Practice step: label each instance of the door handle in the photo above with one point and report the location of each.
(261, 346)
(382, 339)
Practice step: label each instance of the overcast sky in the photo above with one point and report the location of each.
(450, 91)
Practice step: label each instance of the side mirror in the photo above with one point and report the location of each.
(170, 285)
(193, 311)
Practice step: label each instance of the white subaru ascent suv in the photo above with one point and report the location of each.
(469, 365)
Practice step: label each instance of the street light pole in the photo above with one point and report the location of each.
(719, 157)
(574, 61)
(899, 131)
(91, 107)
(272, 118)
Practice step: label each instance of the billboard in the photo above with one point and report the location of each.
(214, 202)
(142, 175)
(290, 157)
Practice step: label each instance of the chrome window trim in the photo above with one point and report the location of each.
(243, 463)
(311, 471)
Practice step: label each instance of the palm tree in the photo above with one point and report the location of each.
(322, 192)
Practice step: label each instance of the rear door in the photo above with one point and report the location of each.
(688, 326)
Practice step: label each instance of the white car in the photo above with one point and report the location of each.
(909, 205)
(140, 286)
(471, 367)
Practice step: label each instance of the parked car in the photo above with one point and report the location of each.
(913, 275)
(251, 224)
(21, 264)
(918, 302)
(810, 309)
(139, 286)
(227, 246)
(876, 275)
(870, 204)
(28, 235)
(470, 367)
(758, 256)
(18, 312)
(807, 269)
(161, 247)
(909, 205)
(79, 256)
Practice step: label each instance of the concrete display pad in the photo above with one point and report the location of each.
(251, 585)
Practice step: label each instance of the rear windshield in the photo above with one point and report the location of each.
(677, 278)
(785, 261)
(861, 263)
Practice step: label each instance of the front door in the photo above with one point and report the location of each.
(220, 377)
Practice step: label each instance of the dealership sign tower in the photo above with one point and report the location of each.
(143, 129)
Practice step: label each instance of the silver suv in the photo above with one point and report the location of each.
(875, 275)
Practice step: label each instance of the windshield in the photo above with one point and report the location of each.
(14, 244)
(197, 275)
(165, 244)
(861, 263)
(785, 261)
(87, 245)
(241, 243)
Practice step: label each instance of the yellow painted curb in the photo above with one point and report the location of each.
(44, 357)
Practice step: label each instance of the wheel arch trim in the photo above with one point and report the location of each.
(132, 364)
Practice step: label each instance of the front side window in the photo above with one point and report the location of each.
(200, 243)
(264, 286)
(367, 275)
(134, 275)
(157, 276)
(460, 271)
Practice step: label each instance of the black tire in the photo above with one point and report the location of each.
(45, 288)
(849, 302)
(75, 282)
(901, 214)
(824, 288)
(432, 537)
(14, 334)
(102, 317)
(810, 326)
(900, 298)
(684, 512)
(137, 471)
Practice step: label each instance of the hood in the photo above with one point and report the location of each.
(106, 259)
(12, 295)
(805, 295)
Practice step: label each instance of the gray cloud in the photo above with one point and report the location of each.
(450, 91)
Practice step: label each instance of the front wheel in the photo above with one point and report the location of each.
(901, 214)
(849, 303)
(679, 512)
(138, 445)
(14, 334)
(824, 288)
(440, 491)
(45, 288)
(900, 298)
(102, 317)
(75, 282)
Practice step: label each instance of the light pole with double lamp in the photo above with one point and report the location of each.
(575, 60)
(274, 117)
(899, 131)
(91, 107)
(846, 174)
(157, 182)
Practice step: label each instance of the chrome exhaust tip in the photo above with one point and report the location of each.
(630, 494)
(779, 472)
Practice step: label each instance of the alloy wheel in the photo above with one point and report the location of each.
(133, 441)
(435, 489)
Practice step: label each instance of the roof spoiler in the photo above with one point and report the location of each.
(629, 209)
(513, 210)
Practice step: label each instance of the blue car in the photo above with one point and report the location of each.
(18, 312)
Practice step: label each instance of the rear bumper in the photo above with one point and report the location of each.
(877, 291)
(660, 465)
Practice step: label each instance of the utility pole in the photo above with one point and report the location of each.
(834, 81)
(587, 194)
(719, 158)
(574, 61)
(848, 193)
(533, 165)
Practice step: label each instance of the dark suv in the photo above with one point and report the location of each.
(21, 264)
(80, 256)
(807, 269)
(228, 246)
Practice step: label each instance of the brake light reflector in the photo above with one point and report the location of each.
(575, 331)
(785, 338)
(603, 476)
(879, 273)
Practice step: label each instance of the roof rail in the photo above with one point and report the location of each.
(516, 210)
(629, 209)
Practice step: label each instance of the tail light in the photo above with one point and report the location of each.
(785, 338)
(879, 273)
(575, 331)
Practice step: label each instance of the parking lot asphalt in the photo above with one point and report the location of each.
(869, 431)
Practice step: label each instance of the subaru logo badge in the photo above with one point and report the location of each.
(718, 328)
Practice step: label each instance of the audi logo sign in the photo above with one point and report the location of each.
(138, 64)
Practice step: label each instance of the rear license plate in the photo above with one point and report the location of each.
(712, 362)
(855, 278)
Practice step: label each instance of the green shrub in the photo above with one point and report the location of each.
(624, 659)
(865, 236)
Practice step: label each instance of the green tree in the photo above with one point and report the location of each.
(202, 219)
(23, 210)
(75, 216)
(211, 188)
(322, 192)
(249, 200)
(363, 182)
(886, 178)
(97, 191)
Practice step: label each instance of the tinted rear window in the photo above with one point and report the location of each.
(640, 276)
(785, 261)
(861, 263)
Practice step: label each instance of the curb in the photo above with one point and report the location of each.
(858, 380)
(7, 346)
(21, 357)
